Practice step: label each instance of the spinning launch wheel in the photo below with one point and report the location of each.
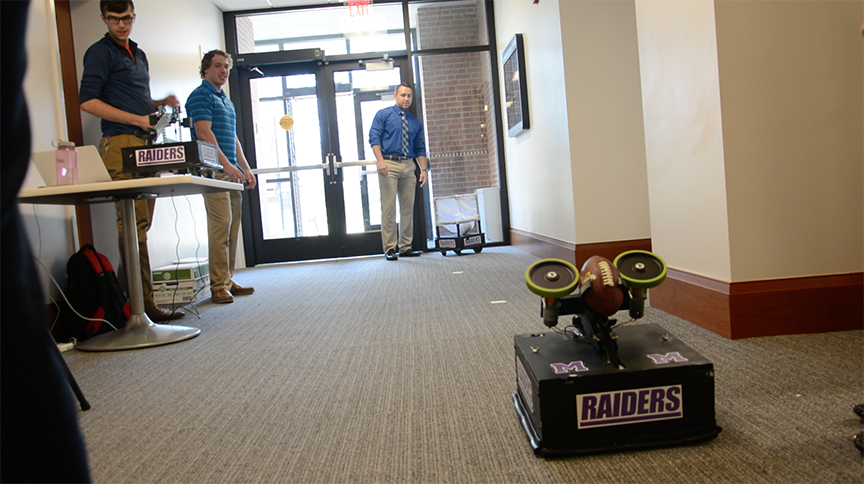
(641, 269)
(552, 278)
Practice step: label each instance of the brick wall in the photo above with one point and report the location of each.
(440, 26)
(488, 96)
(246, 44)
(482, 31)
(457, 98)
(245, 35)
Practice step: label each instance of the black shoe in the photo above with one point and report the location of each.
(410, 253)
(859, 410)
(391, 255)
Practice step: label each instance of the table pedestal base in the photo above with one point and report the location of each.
(139, 332)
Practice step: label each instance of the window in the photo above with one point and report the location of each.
(332, 29)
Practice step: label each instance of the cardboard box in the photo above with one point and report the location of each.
(180, 293)
(183, 270)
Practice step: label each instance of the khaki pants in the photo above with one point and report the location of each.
(223, 227)
(401, 181)
(109, 149)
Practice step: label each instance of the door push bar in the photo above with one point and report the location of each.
(329, 166)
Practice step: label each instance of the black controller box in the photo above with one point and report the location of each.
(570, 400)
(192, 157)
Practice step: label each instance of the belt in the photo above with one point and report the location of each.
(396, 158)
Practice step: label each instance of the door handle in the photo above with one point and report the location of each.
(331, 167)
(337, 168)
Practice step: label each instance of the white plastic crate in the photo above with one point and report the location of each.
(454, 210)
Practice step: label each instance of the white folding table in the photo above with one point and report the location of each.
(140, 331)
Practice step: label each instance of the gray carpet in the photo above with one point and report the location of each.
(368, 371)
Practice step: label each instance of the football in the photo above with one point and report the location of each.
(600, 287)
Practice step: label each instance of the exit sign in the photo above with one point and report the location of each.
(358, 8)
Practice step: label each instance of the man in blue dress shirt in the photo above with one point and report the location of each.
(396, 137)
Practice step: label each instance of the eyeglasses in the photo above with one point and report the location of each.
(116, 20)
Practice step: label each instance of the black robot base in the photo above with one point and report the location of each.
(571, 400)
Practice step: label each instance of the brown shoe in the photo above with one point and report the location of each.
(222, 296)
(158, 315)
(238, 290)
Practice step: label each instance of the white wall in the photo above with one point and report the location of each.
(684, 135)
(604, 112)
(753, 123)
(173, 34)
(539, 174)
(578, 175)
(791, 77)
(49, 228)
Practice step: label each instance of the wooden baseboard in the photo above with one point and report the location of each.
(700, 300)
(549, 248)
(609, 250)
(542, 246)
(801, 305)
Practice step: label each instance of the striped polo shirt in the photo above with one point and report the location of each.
(207, 104)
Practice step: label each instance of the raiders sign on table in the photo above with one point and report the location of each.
(193, 157)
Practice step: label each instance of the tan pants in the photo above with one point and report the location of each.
(223, 227)
(401, 181)
(109, 149)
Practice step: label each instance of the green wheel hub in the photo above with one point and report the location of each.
(552, 278)
(641, 269)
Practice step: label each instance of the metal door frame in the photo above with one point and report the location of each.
(338, 243)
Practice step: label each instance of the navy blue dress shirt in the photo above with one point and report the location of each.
(113, 77)
(386, 132)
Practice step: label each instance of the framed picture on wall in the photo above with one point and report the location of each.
(515, 88)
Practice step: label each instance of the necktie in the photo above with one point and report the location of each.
(404, 134)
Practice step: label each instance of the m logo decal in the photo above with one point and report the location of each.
(667, 358)
(567, 368)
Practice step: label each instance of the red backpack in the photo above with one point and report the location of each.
(93, 290)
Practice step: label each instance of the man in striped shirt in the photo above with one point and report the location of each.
(214, 121)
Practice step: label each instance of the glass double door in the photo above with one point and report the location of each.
(308, 125)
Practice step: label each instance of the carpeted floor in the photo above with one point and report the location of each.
(363, 370)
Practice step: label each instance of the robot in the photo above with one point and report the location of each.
(579, 391)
